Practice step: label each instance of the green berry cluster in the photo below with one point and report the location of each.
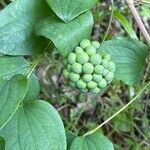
(88, 70)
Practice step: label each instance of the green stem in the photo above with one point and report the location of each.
(123, 108)
(110, 20)
(81, 111)
(37, 60)
(35, 63)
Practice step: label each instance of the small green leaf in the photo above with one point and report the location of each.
(129, 56)
(12, 93)
(145, 11)
(37, 126)
(67, 10)
(125, 23)
(17, 22)
(66, 36)
(70, 138)
(122, 122)
(95, 141)
(11, 66)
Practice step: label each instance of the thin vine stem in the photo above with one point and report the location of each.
(36, 61)
(118, 112)
(110, 20)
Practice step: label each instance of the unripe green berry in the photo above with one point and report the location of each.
(76, 68)
(88, 68)
(107, 56)
(78, 50)
(105, 72)
(82, 58)
(65, 62)
(87, 71)
(95, 90)
(95, 59)
(72, 84)
(97, 77)
(91, 50)
(112, 66)
(85, 43)
(87, 77)
(74, 77)
(69, 67)
(102, 83)
(99, 69)
(65, 73)
(109, 77)
(71, 58)
(105, 63)
(96, 44)
(84, 90)
(92, 85)
(81, 84)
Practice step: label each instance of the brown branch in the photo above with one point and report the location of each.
(138, 20)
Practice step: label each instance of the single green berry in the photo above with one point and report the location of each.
(88, 68)
(91, 50)
(95, 90)
(97, 77)
(65, 62)
(109, 77)
(96, 44)
(65, 73)
(69, 67)
(95, 59)
(107, 56)
(85, 43)
(74, 77)
(102, 83)
(87, 77)
(72, 84)
(84, 90)
(82, 58)
(78, 50)
(105, 72)
(99, 69)
(112, 66)
(81, 84)
(92, 85)
(71, 58)
(76, 68)
(105, 63)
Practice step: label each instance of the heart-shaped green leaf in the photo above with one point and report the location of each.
(37, 126)
(129, 56)
(95, 141)
(66, 36)
(70, 138)
(12, 93)
(11, 66)
(67, 10)
(17, 22)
